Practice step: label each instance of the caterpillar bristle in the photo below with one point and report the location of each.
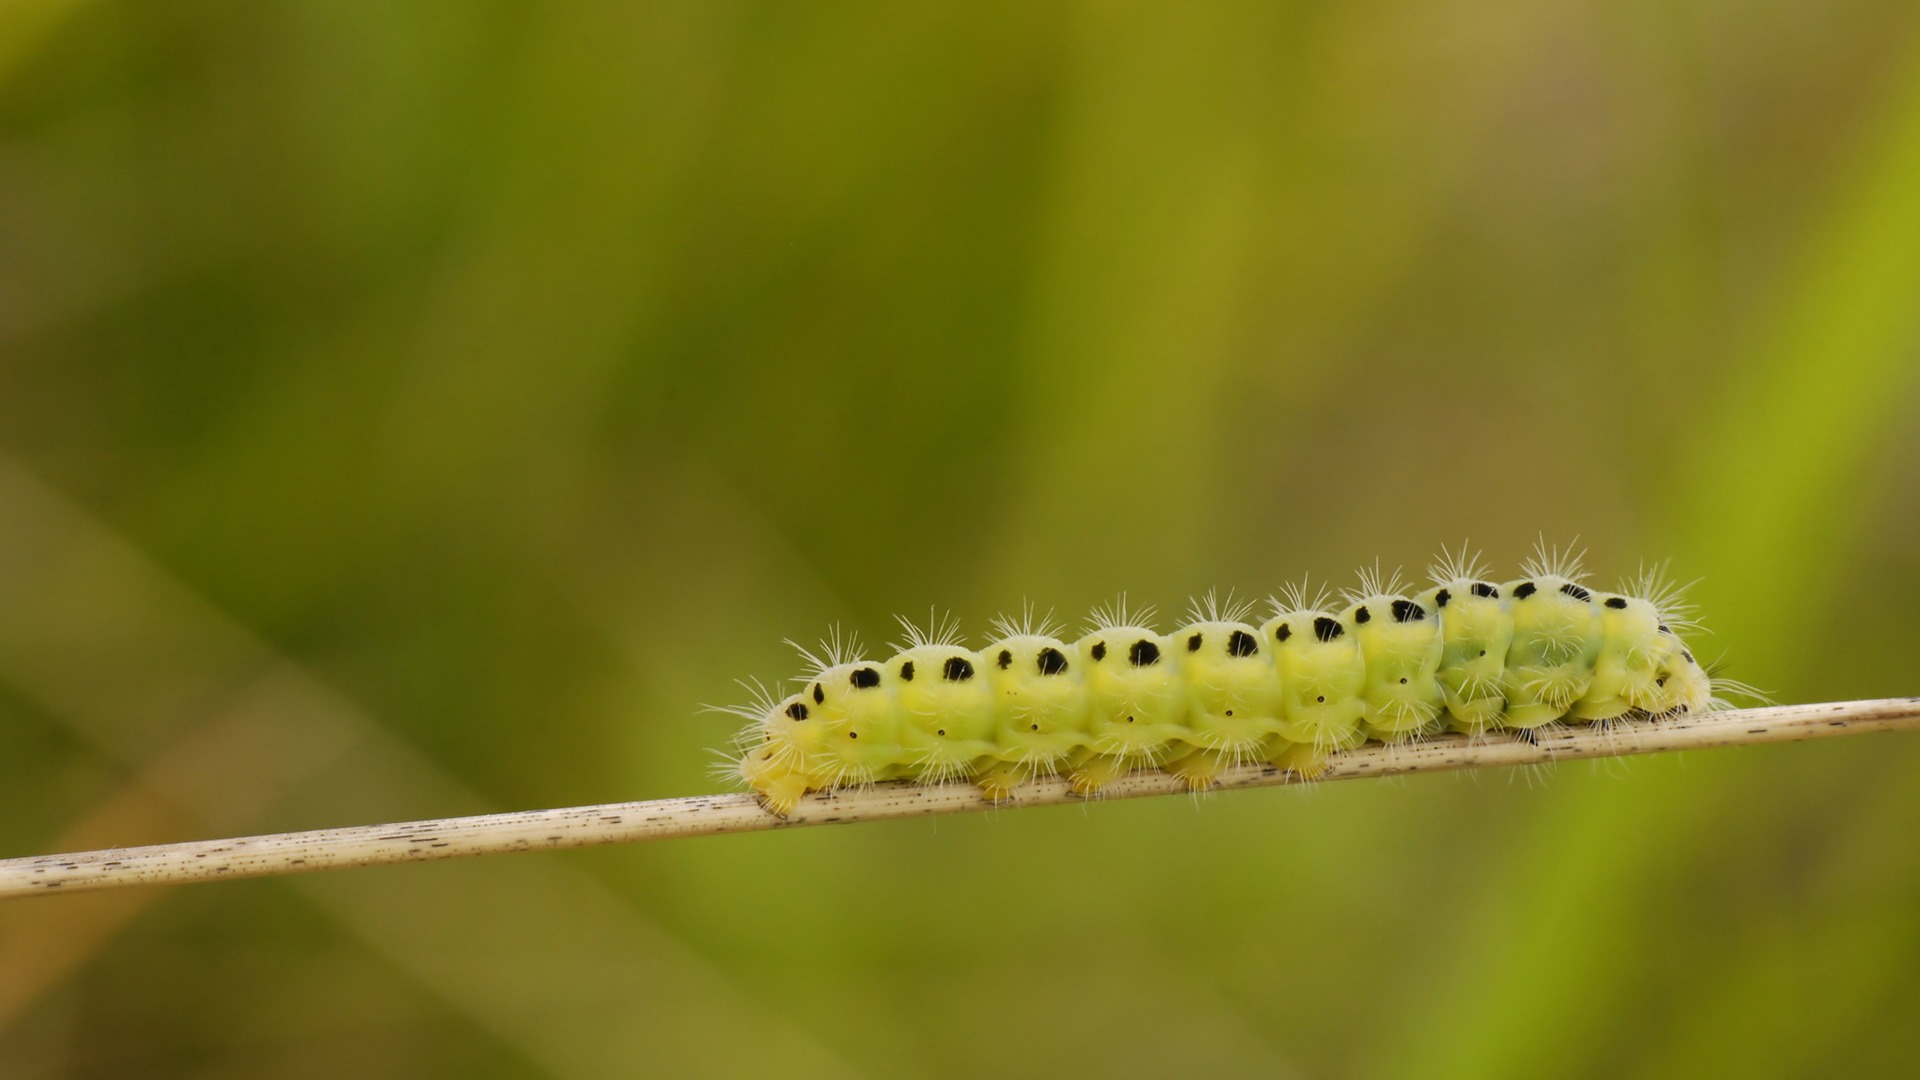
(1116, 613)
(744, 712)
(1463, 565)
(1552, 560)
(1214, 608)
(1668, 596)
(1302, 595)
(1027, 625)
(1373, 582)
(726, 767)
(1732, 693)
(760, 702)
(940, 630)
(836, 648)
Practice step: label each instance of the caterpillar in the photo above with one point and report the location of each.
(1466, 654)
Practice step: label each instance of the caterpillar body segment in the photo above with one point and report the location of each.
(1401, 646)
(1322, 679)
(1556, 639)
(855, 704)
(1466, 654)
(1040, 706)
(948, 719)
(1233, 699)
(1627, 668)
(1136, 703)
(1476, 633)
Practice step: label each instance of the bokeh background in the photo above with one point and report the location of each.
(420, 409)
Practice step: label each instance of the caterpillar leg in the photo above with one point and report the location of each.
(1302, 759)
(1199, 768)
(1592, 712)
(1477, 716)
(781, 792)
(778, 780)
(998, 781)
(1402, 720)
(1096, 772)
(1533, 715)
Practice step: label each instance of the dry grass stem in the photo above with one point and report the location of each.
(615, 823)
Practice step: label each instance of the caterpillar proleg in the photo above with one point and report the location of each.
(1467, 654)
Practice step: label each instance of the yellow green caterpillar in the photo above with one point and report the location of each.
(1467, 654)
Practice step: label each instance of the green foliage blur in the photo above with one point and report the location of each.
(420, 409)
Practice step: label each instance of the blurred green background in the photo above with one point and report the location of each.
(419, 409)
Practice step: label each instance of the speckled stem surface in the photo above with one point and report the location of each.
(615, 823)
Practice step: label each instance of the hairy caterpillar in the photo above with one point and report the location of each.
(1466, 654)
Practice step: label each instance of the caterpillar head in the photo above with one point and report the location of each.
(1680, 684)
(790, 730)
(782, 754)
